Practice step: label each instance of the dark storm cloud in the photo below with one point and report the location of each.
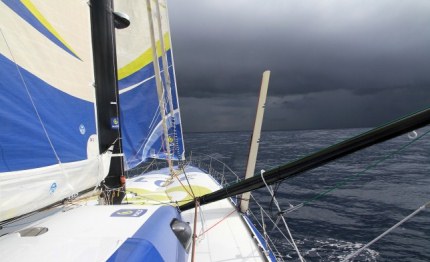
(329, 57)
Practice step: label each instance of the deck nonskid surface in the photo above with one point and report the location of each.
(222, 233)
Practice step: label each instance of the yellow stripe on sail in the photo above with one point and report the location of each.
(30, 6)
(143, 60)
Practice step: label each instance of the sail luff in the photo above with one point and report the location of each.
(158, 85)
(165, 67)
(349, 146)
(181, 149)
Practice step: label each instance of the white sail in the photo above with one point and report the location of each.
(48, 141)
(141, 122)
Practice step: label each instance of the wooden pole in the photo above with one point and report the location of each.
(255, 139)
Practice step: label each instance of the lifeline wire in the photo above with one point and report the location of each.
(283, 218)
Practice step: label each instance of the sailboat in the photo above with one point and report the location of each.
(79, 116)
(85, 106)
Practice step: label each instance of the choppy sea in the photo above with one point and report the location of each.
(348, 202)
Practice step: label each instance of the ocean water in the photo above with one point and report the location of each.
(365, 197)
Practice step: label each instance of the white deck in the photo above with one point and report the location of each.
(94, 233)
(227, 238)
(85, 233)
(222, 233)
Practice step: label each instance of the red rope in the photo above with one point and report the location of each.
(195, 227)
(217, 222)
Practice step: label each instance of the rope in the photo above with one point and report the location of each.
(174, 175)
(170, 203)
(354, 176)
(427, 205)
(282, 217)
(188, 182)
(194, 230)
(272, 245)
(275, 224)
(217, 223)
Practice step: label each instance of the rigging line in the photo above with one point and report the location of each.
(275, 224)
(271, 220)
(355, 176)
(275, 191)
(170, 203)
(31, 99)
(264, 227)
(194, 230)
(38, 115)
(166, 82)
(217, 223)
(188, 182)
(421, 208)
(145, 169)
(272, 247)
(174, 175)
(202, 220)
(160, 89)
(283, 218)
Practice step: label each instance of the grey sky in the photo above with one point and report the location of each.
(335, 64)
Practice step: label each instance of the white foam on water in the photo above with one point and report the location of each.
(331, 249)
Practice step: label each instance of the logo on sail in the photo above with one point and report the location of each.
(53, 188)
(82, 129)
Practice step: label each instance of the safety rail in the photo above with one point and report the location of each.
(224, 175)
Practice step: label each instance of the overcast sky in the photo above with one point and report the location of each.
(335, 64)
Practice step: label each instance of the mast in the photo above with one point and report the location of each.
(107, 97)
(349, 146)
(255, 140)
(159, 85)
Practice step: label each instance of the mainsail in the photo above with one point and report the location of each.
(141, 119)
(48, 143)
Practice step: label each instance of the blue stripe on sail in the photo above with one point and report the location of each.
(140, 118)
(19, 8)
(138, 114)
(23, 143)
(142, 74)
